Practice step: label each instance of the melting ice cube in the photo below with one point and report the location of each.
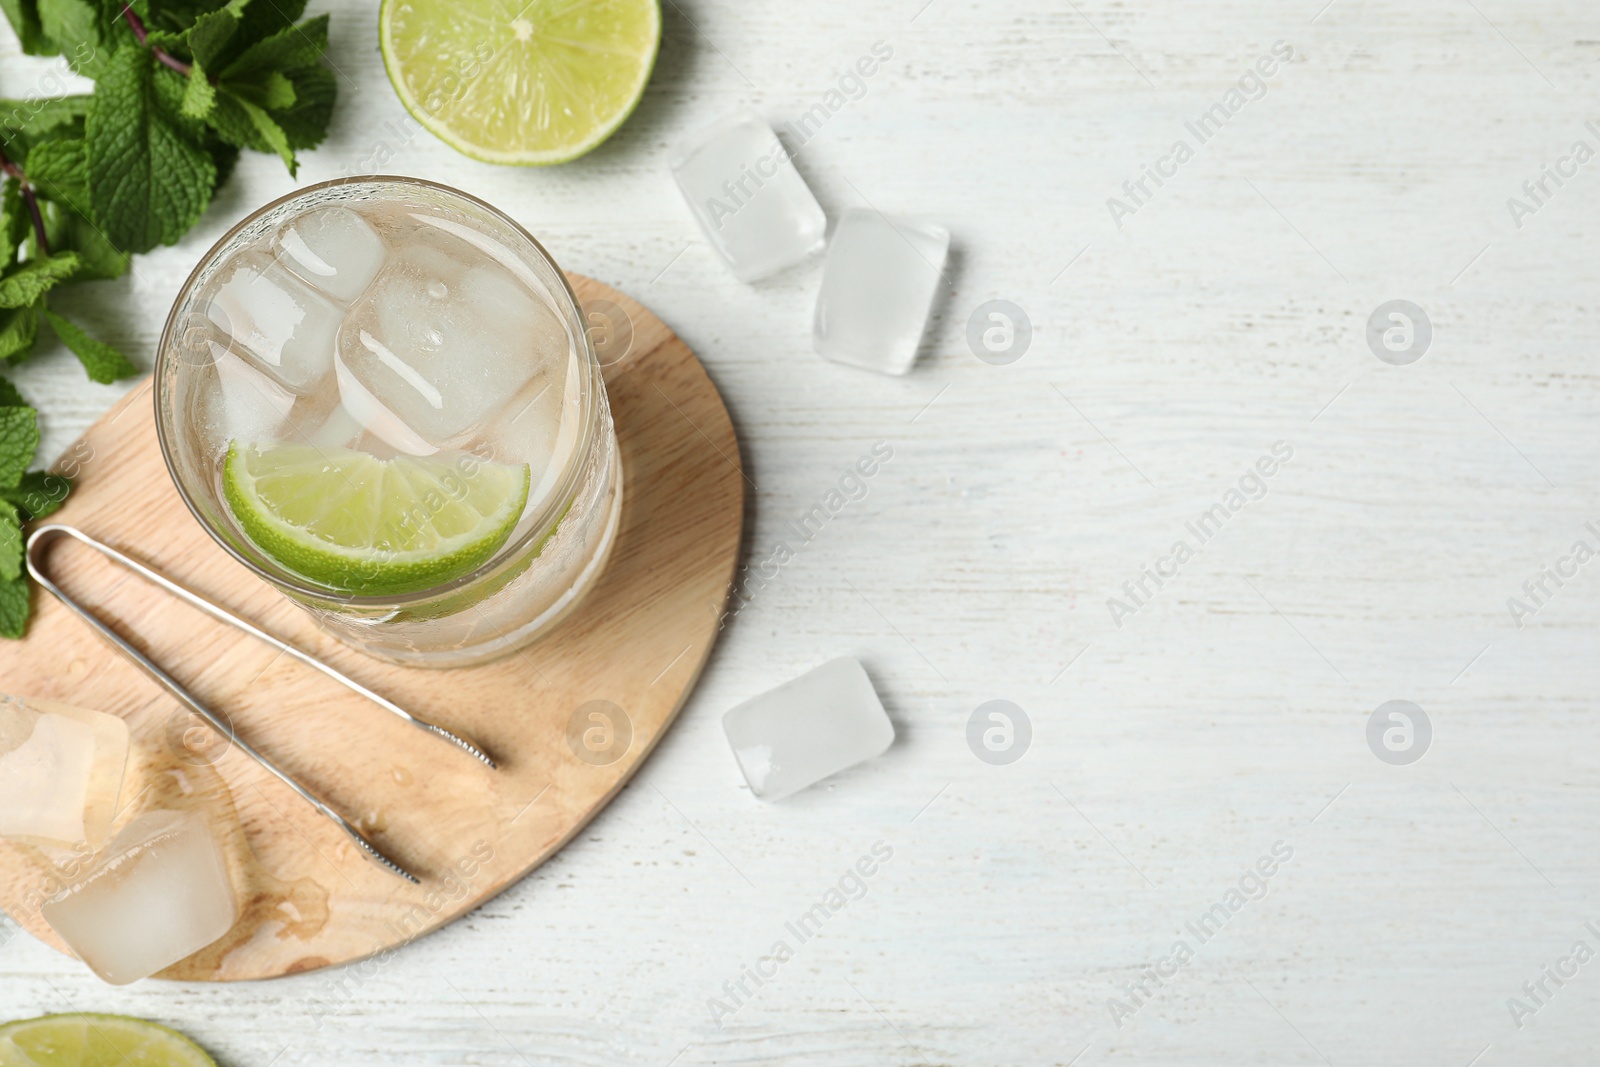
(753, 205)
(160, 895)
(540, 428)
(807, 729)
(368, 414)
(443, 347)
(339, 428)
(276, 321)
(247, 406)
(877, 287)
(60, 772)
(333, 249)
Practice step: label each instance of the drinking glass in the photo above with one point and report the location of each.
(559, 547)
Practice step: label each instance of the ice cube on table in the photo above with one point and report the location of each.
(444, 346)
(60, 772)
(878, 285)
(160, 894)
(748, 197)
(805, 730)
(332, 249)
(275, 320)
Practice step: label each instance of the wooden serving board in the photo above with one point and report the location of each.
(629, 655)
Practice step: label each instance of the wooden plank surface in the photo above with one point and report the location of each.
(308, 897)
(1219, 319)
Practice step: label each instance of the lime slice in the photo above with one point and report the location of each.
(359, 524)
(520, 81)
(87, 1040)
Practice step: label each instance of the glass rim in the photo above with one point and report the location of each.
(555, 503)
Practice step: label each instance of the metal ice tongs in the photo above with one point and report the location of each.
(217, 722)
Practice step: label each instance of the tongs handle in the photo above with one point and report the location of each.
(171, 685)
(221, 614)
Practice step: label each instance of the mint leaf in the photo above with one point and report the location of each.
(261, 19)
(19, 327)
(19, 439)
(288, 49)
(15, 602)
(169, 90)
(70, 231)
(230, 122)
(103, 363)
(306, 123)
(13, 224)
(27, 120)
(73, 26)
(211, 33)
(24, 18)
(268, 131)
(34, 278)
(10, 543)
(277, 92)
(9, 397)
(59, 170)
(225, 156)
(170, 42)
(39, 494)
(148, 183)
(199, 96)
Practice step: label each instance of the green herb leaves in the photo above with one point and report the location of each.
(88, 181)
(24, 286)
(271, 94)
(182, 85)
(22, 497)
(148, 182)
(19, 436)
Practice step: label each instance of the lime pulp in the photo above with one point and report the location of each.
(357, 524)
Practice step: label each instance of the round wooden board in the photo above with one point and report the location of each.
(307, 897)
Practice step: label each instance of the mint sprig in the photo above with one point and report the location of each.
(88, 181)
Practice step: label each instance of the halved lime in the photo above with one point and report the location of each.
(520, 81)
(87, 1040)
(358, 524)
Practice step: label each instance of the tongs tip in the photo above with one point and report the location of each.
(461, 743)
(383, 861)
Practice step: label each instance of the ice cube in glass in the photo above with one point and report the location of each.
(332, 249)
(338, 428)
(160, 895)
(754, 207)
(878, 284)
(275, 320)
(442, 347)
(60, 772)
(803, 731)
(247, 406)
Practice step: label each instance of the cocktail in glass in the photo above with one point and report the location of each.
(379, 395)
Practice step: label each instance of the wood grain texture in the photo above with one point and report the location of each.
(308, 899)
(1219, 319)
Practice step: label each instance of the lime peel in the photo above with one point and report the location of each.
(527, 82)
(357, 524)
(94, 1040)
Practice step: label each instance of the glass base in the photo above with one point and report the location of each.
(471, 636)
(503, 644)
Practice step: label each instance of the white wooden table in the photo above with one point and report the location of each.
(1226, 714)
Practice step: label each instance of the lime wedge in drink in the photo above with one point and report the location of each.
(520, 81)
(87, 1040)
(358, 524)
